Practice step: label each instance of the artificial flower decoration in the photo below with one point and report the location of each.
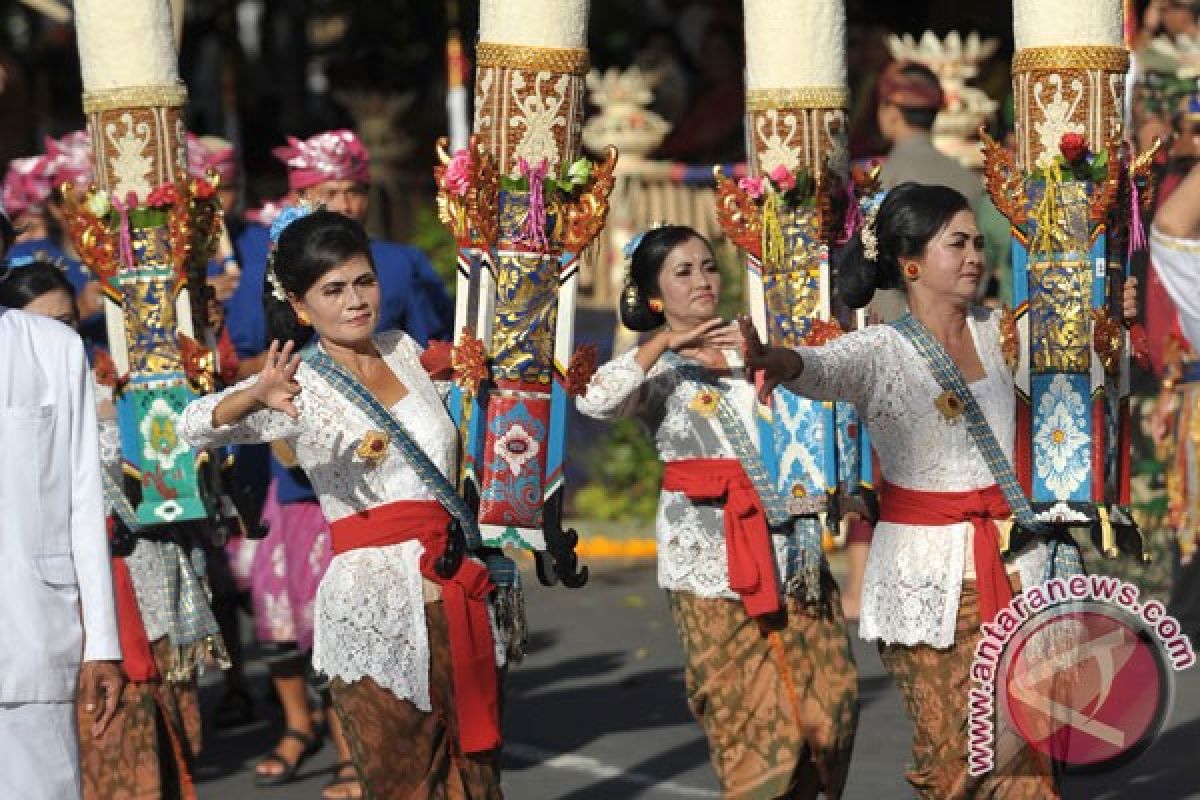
(783, 178)
(1074, 147)
(163, 196)
(950, 404)
(705, 402)
(373, 447)
(752, 186)
(203, 190)
(457, 178)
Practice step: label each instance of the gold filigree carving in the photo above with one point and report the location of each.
(568, 60)
(738, 215)
(1005, 184)
(585, 215)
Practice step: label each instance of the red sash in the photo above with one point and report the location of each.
(752, 569)
(137, 658)
(980, 507)
(472, 648)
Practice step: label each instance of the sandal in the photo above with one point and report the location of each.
(311, 746)
(344, 774)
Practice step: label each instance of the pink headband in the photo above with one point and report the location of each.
(26, 185)
(211, 152)
(69, 159)
(330, 156)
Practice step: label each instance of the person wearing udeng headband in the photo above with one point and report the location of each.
(770, 674)
(934, 571)
(411, 654)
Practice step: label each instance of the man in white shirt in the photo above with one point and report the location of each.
(56, 606)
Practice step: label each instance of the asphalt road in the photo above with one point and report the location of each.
(597, 712)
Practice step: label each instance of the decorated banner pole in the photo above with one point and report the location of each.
(522, 206)
(1075, 199)
(786, 216)
(146, 231)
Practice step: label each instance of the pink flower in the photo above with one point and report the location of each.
(457, 179)
(783, 178)
(754, 187)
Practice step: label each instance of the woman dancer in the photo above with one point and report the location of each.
(770, 675)
(934, 571)
(411, 654)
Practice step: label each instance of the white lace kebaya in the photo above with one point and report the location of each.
(370, 607)
(690, 535)
(914, 575)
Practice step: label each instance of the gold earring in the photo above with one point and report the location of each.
(912, 270)
(303, 319)
(655, 305)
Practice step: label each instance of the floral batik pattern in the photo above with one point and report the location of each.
(779, 708)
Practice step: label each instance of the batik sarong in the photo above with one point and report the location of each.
(403, 753)
(147, 751)
(289, 563)
(934, 685)
(778, 701)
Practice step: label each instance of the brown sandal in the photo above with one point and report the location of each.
(344, 774)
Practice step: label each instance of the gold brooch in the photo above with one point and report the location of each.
(950, 404)
(373, 447)
(705, 402)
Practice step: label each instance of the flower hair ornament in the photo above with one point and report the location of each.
(286, 217)
(868, 233)
(631, 290)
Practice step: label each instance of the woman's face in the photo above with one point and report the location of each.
(690, 284)
(56, 304)
(952, 266)
(343, 305)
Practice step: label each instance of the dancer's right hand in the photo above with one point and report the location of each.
(276, 387)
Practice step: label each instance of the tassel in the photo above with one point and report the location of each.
(126, 239)
(533, 233)
(1137, 230)
(1046, 215)
(509, 604)
(854, 216)
(773, 248)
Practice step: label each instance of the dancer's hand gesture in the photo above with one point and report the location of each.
(277, 387)
(777, 364)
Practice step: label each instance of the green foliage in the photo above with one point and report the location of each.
(625, 477)
(431, 236)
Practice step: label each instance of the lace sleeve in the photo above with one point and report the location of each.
(844, 369)
(196, 428)
(615, 390)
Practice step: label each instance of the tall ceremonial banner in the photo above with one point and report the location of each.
(1074, 196)
(522, 205)
(146, 231)
(785, 216)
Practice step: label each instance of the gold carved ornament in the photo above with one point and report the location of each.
(738, 215)
(470, 217)
(1004, 182)
(199, 365)
(586, 214)
(581, 369)
(1108, 340)
(1104, 198)
(568, 60)
(1141, 172)
(831, 97)
(95, 242)
(1010, 343)
(1089, 57)
(101, 100)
